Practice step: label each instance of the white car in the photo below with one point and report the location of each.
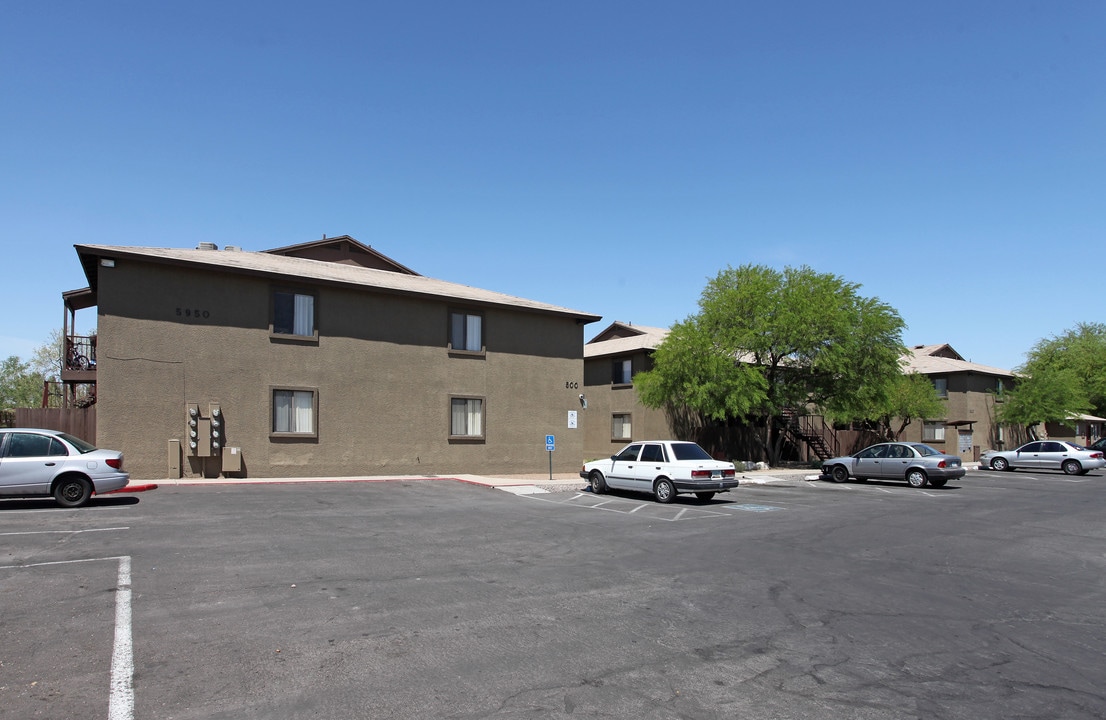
(50, 463)
(1044, 455)
(663, 468)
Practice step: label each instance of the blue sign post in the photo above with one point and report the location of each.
(550, 446)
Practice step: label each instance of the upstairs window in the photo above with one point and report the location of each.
(293, 314)
(621, 372)
(466, 331)
(942, 387)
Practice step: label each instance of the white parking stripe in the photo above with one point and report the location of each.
(121, 697)
(121, 700)
(63, 532)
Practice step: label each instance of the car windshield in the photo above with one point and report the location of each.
(689, 451)
(925, 450)
(81, 445)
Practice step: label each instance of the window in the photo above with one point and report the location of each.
(628, 454)
(652, 453)
(466, 417)
(293, 314)
(942, 387)
(621, 372)
(466, 331)
(933, 432)
(24, 445)
(620, 426)
(294, 412)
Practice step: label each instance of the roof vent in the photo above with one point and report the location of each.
(232, 248)
(207, 246)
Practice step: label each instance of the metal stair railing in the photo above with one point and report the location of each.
(811, 430)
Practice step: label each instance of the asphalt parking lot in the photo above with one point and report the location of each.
(417, 599)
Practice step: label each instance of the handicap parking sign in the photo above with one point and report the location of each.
(550, 443)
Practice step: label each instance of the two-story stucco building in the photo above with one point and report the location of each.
(966, 428)
(323, 359)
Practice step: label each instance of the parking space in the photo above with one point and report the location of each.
(640, 506)
(798, 493)
(79, 657)
(423, 600)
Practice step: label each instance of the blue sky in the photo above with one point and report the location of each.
(611, 157)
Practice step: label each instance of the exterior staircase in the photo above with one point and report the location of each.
(811, 431)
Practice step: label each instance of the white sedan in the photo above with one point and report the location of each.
(1044, 455)
(662, 468)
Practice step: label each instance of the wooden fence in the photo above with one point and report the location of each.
(80, 422)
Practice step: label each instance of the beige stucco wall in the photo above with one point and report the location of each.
(971, 396)
(605, 399)
(169, 336)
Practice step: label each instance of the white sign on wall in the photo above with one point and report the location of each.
(572, 419)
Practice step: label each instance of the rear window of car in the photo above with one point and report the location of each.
(81, 445)
(689, 451)
(925, 450)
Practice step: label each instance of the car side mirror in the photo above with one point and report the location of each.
(614, 457)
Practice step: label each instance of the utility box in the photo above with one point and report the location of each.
(232, 460)
(174, 460)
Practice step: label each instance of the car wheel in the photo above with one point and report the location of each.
(72, 491)
(597, 483)
(938, 482)
(917, 478)
(1072, 467)
(704, 496)
(839, 473)
(1000, 464)
(664, 490)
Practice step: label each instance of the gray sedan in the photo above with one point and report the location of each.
(37, 462)
(917, 463)
(1045, 455)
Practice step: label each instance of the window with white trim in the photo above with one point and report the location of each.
(466, 417)
(293, 314)
(466, 331)
(933, 431)
(621, 427)
(294, 412)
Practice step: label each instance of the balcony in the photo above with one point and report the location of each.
(78, 361)
(79, 364)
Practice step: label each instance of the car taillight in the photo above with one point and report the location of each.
(116, 463)
(700, 473)
(1096, 456)
(941, 464)
(728, 474)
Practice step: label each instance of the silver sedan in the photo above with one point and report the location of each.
(37, 462)
(917, 463)
(1044, 455)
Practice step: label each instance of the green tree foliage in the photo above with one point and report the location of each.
(1050, 395)
(1082, 351)
(910, 397)
(20, 387)
(47, 358)
(765, 341)
(1063, 376)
